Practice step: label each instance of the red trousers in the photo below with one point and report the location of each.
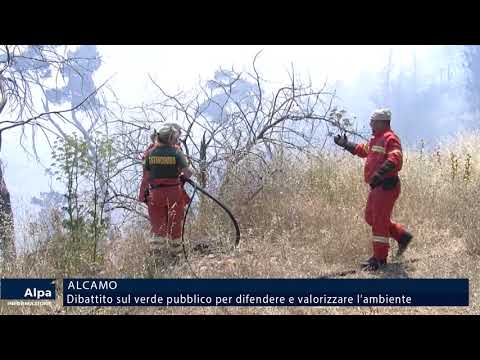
(378, 212)
(166, 208)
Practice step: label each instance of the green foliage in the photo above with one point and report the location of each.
(83, 168)
(454, 165)
(340, 119)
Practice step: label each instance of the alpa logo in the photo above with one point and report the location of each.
(37, 294)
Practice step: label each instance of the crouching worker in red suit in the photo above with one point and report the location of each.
(161, 189)
(384, 160)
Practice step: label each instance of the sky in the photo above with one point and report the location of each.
(179, 67)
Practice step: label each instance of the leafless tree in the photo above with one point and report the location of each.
(233, 118)
(238, 116)
(29, 77)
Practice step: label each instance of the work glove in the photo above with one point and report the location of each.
(183, 179)
(341, 140)
(379, 175)
(344, 143)
(376, 180)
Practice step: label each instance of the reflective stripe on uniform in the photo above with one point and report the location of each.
(381, 239)
(157, 242)
(399, 154)
(378, 149)
(395, 152)
(162, 160)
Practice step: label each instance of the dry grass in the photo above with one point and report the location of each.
(308, 222)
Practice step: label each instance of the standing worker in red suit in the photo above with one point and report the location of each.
(384, 160)
(161, 189)
(143, 194)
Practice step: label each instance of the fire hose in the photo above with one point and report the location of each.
(219, 203)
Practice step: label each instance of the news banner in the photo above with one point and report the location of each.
(238, 292)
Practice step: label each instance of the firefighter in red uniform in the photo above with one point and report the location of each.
(384, 160)
(161, 189)
(143, 194)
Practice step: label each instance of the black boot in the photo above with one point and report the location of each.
(403, 243)
(373, 264)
